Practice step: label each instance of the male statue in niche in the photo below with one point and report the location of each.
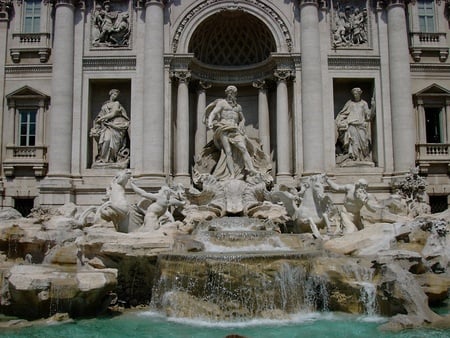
(232, 154)
(110, 131)
(353, 143)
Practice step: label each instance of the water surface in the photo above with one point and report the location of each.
(151, 324)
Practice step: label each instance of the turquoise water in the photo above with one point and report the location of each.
(150, 324)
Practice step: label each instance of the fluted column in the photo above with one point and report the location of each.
(283, 139)
(60, 131)
(263, 115)
(182, 134)
(403, 126)
(313, 145)
(153, 119)
(200, 132)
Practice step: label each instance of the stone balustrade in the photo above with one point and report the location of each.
(35, 43)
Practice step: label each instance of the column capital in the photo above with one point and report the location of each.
(6, 8)
(183, 76)
(260, 84)
(71, 3)
(203, 85)
(153, 2)
(391, 3)
(282, 74)
(317, 3)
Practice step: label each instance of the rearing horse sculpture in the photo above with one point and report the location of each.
(312, 212)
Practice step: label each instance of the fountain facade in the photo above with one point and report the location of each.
(233, 246)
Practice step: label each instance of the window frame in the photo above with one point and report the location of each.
(36, 18)
(21, 110)
(429, 16)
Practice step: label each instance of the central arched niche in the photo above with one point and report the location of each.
(232, 38)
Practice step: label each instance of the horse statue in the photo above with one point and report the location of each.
(116, 208)
(309, 208)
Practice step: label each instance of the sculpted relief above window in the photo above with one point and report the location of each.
(110, 25)
(349, 24)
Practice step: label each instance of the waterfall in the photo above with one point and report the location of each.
(316, 295)
(368, 298)
(235, 286)
(368, 291)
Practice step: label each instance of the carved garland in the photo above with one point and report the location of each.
(208, 3)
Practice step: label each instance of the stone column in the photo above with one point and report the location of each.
(403, 126)
(263, 115)
(4, 22)
(153, 104)
(421, 122)
(313, 145)
(200, 132)
(60, 126)
(283, 130)
(182, 131)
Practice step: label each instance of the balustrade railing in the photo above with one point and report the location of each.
(433, 152)
(38, 43)
(430, 42)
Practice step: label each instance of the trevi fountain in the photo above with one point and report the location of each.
(233, 251)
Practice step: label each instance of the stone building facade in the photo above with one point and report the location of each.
(294, 62)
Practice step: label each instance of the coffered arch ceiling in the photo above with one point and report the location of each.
(232, 38)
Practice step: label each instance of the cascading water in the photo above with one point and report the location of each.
(233, 286)
(368, 298)
(368, 292)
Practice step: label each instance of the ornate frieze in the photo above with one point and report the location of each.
(110, 25)
(231, 6)
(27, 69)
(353, 63)
(349, 24)
(109, 63)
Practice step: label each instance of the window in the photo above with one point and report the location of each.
(433, 125)
(32, 16)
(426, 16)
(27, 127)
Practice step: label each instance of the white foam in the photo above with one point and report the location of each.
(296, 318)
(274, 244)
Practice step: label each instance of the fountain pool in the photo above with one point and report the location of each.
(150, 324)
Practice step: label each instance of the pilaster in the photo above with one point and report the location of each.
(57, 187)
